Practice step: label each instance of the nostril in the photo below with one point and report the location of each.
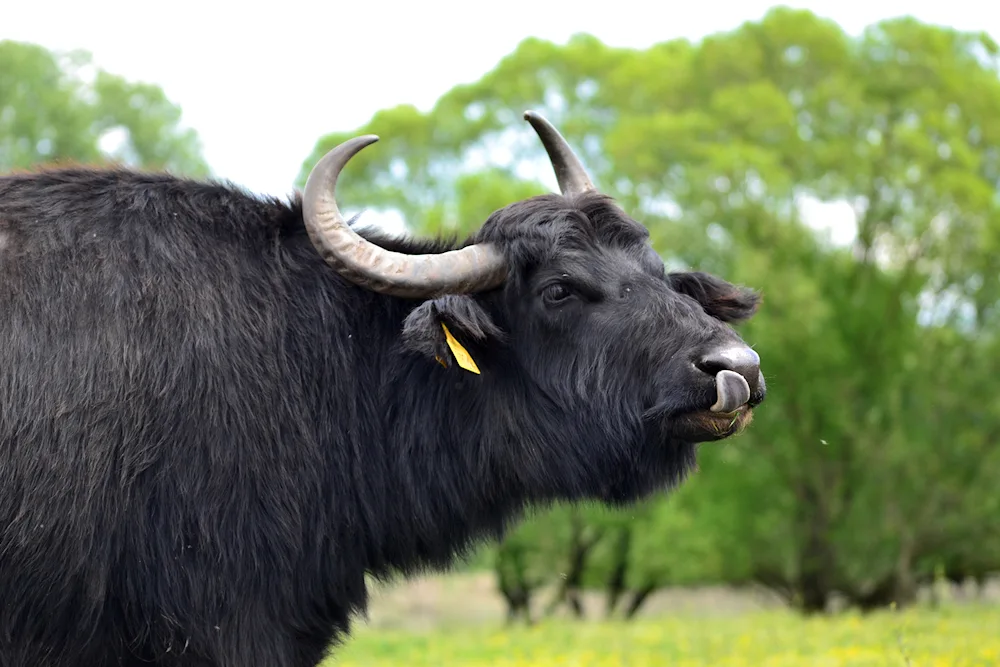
(711, 364)
(740, 359)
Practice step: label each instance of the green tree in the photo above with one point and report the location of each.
(59, 108)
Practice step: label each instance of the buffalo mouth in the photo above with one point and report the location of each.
(707, 425)
(731, 412)
(715, 412)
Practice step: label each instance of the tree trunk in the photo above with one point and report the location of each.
(816, 564)
(579, 549)
(619, 569)
(513, 584)
(638, 599)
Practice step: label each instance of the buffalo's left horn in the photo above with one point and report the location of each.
(470, 269)
(570, 173)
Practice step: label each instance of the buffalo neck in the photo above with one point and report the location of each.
(430, 482)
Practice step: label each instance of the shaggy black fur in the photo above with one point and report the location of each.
(207, 437)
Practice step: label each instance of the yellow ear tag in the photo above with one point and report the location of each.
(461, 354)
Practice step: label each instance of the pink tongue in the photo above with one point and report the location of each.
(732, 389)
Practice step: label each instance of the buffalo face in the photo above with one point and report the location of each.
(634, 365)
(598, 322)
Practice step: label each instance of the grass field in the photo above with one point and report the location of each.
(458, 620)
(963, 636)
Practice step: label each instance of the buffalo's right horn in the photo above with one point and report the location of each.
(470, 269)
(570, 173)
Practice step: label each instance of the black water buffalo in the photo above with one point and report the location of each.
(219, 412)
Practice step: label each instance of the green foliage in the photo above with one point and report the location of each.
(59, 108)
(874, 461)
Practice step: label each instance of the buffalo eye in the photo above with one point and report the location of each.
(556, 294)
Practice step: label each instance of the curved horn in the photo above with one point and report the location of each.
(572, 177)
(470, 269)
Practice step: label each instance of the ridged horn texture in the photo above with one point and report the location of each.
(572, 177)
(471, 269)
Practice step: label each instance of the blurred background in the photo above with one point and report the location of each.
(843, 159)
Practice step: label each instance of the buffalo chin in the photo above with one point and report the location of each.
(708, 426)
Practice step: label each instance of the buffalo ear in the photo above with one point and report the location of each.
(720, 299)
(466, 320)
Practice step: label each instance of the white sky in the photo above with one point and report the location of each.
(261, 86)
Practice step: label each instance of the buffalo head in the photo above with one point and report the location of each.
(590, 367)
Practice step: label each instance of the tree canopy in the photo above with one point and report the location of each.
(60, 108)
